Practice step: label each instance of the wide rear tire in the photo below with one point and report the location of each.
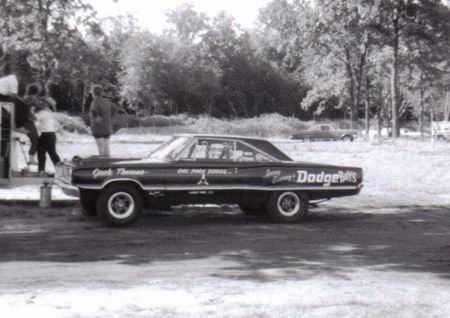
(287, 206)
(120, 205)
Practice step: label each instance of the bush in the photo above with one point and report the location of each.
(69, 123)
(267, 125)
(162, 121)
(124, 121)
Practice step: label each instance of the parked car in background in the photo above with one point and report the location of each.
(326, 132)
(440, 130)
(206, 169)
(414, 132)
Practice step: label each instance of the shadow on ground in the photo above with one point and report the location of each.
(404, 238)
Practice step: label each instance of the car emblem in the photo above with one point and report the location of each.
(203, 180)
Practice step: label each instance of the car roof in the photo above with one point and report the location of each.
(257, 142)
(240, 137)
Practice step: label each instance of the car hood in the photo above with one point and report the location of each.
(98, 161)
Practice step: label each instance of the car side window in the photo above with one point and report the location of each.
(220, 150)
(244, 153)
(195, 151)
(205, 149)
(199, 151)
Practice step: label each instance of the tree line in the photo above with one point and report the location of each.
(360, 59)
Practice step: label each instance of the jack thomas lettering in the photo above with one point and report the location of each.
(104, 173)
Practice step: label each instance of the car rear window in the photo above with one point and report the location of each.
(269, 148)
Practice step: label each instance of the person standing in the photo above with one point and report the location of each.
(33, 102)
(100, 115)
(47, 126)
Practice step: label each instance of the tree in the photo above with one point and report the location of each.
(327, 43)
(202, 65)
(42, 28)
(423, 24)
(284, 33)
(168, 72)
(186, 24)
(343, 39)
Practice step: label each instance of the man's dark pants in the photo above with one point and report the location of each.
(47, 144)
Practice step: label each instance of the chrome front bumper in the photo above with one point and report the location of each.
(63, 178)
(68, 189)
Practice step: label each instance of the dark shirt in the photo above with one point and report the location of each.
(101, 113)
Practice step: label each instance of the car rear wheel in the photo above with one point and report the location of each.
(88, 200)
(287, 207)
(120, 205)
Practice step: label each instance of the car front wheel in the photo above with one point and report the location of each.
(119, 205)
(287, 207)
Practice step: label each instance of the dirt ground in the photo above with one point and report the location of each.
(57, 249)
(40, 247)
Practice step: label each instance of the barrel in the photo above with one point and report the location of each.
(46, 195)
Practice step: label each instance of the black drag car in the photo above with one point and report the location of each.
(201, 169)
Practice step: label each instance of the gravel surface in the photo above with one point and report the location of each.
(217, 262)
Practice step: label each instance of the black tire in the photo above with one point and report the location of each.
(287, 206)
(252, 210)
(88, 201)
(347, 138)
(120, 205)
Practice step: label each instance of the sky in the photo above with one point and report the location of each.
(151, 13)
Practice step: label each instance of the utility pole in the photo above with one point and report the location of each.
(367, 108)
(447, 107)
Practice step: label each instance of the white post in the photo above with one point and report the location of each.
(432, 128)
(447, 108)
(13, 160)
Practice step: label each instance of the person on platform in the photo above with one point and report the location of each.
(100, 114)
(33, 101)
(47, 127)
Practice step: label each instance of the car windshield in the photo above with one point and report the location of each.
(169, 149)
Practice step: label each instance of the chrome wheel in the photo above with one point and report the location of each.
(121, 205)
(288, 204)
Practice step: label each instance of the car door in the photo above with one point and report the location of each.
(207, 162)
(223, 164)
(252, 166)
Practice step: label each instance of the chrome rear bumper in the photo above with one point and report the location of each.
(63, 178)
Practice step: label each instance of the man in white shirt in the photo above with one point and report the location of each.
(47, 127)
